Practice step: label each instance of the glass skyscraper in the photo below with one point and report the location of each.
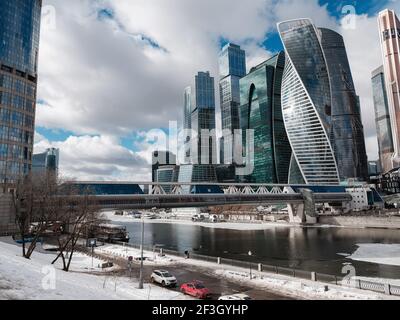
(232, 67)
(307, 105)
(347, 132)
(203, 118)
(382, 119)
(19, 46)
(389, 30)
(261, 110)
(187, 114)
(46, 162)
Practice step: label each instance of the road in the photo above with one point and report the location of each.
(184, 273)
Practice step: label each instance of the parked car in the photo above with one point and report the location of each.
(195, 289)
(239, 296)
(150, 216)
(164, 278)
(198, 218)
(213, 218)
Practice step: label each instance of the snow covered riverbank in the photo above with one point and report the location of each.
(36, 279)
(221, 225)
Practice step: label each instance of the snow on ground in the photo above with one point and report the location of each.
(377, 253)
(150, 258)
(242, 226)
(294, 287)
(300, 288)
(36, 279)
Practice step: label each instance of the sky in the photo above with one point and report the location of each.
(112, 73)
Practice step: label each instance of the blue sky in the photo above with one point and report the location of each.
(125, 64)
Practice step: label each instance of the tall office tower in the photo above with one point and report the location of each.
(19, 46)
(382, 120)
(187, 114)
(307, 105)
(261, 111)
(347, 132)
(203, 118)
(232, 67)
(46, 162)
(389, 27)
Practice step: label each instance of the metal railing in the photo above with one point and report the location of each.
(379, 287)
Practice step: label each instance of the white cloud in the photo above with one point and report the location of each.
(97, 158)
(103, 78)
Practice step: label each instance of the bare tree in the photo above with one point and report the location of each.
(37, 207)
(82, 214)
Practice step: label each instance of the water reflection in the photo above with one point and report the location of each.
(313, 249)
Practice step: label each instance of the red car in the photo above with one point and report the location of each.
(195, 289)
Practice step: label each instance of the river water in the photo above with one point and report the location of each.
(321, 250)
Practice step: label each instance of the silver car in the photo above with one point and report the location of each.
(164, 278)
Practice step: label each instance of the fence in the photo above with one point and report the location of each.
(379, 287)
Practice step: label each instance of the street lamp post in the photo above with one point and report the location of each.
(141, 257)
(250, 253)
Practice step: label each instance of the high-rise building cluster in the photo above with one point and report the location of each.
(295, 118)
(300, 105)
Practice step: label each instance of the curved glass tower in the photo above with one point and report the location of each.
(261, 111)
(19, 46)
(307, 105)
(347, 133)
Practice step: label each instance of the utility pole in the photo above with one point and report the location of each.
(250, 254)
(141, 256)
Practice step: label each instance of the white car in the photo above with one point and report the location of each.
(239, 296)
(164, 278)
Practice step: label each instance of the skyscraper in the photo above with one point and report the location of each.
(382, 119)
(46, 162)
(261, 111)
(19, 47)
(389, 27)
(232, 67)
(307, 105)
(161, 159)
(203, 118)
(187, 114)
(347, 132)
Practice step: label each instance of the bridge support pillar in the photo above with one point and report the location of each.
(304, 213)
(296, 213)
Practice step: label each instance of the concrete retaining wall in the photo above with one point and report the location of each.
(391, 222)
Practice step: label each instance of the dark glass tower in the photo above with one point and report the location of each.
(232, 67)
(347, 132)
(261, 110)
(203, 118)
(382, 119)
(19, 46)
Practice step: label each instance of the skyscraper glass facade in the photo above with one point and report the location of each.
(261, 111)
(389, 30)
(306, 104)
(232, 65)
(204, 91)
(187, 115)
(382, 119)
(203, 118)
(46, 162)
(347, 132)
(19, 46)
